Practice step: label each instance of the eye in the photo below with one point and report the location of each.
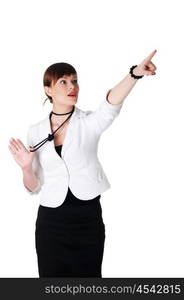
(75, 80)
(62, 80)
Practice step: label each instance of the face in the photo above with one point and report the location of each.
(65, 85)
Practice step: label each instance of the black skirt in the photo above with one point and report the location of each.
(70, 238)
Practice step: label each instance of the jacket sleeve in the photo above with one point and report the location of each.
(104, 115)
(37, 169)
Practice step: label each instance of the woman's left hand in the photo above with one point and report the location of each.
(146, 67)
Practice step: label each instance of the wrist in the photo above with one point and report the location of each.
(27, 169)
(135, 72)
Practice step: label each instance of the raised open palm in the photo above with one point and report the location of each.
(21, 154)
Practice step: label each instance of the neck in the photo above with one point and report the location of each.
(60, 109)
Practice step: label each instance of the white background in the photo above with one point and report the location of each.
(141, 153)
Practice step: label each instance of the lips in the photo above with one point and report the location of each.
(71, 94)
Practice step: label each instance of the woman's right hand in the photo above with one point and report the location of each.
(21, 154)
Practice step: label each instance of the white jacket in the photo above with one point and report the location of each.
(79, 167)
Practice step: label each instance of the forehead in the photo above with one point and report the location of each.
(69, 76)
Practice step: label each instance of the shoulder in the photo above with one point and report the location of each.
(79, 113)
(37, 126)
(82, 113)
(38, 123)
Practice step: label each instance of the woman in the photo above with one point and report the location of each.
(61, 161)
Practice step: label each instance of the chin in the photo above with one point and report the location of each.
(74, 100)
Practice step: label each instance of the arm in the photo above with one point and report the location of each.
(29, 163)
(33, 175)
(30, 180)
(105, 114)
(109, 109)
(118, 93)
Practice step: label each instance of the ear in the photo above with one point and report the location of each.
(48, 90)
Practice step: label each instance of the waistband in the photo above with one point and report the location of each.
(71, 199)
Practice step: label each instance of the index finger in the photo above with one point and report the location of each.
(150, 56)
(19, 142)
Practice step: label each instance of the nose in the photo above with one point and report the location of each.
(72, 88)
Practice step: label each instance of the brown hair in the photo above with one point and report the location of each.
(54, 72)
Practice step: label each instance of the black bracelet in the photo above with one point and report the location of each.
(133, 75)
